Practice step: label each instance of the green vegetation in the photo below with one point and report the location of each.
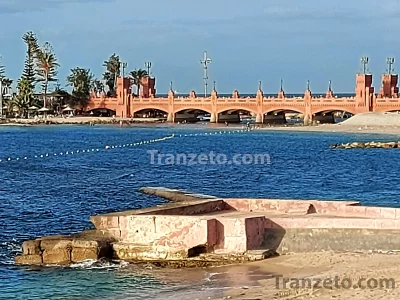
(81, 80)
(41, 69)
(137, 77)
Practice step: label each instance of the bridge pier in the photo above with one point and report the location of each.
(214, 118)
(260, 118)
(171, 118)
(307, 120)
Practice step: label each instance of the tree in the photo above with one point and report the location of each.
(112, 72)
(25, 98)
(97, 86)
(81, 81)
(137, 77)
(29, 72)
(6, 82)
(46, 64)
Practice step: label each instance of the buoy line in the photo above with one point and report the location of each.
(112, 147)
(213, 133)
(90, 150)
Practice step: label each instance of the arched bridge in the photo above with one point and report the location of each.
(263, 108)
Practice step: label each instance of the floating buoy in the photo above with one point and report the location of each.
(107, 147)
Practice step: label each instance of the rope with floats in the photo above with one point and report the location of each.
(120, 146)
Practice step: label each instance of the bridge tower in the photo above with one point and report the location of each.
(281, 93)
(148, 87)
(329, 93)
(389, 87)
(123, 97)
(364, 88)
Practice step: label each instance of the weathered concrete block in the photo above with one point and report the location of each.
(55, 243)
(31, 247)
(34, 259)
(85, 244)
(81, 254)
(58, 256)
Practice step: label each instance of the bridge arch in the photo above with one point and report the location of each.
(192, 108)
(388, 110)
(150, 112)
(327, 110)
(288, 109)
(160, 108)
(102, 111)
(236, 108)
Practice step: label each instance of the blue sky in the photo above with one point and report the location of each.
(248, 40)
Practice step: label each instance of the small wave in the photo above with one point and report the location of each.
(211, 275)
(99, 264)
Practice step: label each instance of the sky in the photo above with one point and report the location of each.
(248, 41)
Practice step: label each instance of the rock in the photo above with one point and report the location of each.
(55, 242)
(29, 259)
(57, 256)
(64, 249)
(81, 254)
(368, 145)
(31, 247)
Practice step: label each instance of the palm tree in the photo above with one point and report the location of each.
(137, 77)
(46, 67)
(81, 81)
(7, 83)
(97, 86)
(23, 100)
(112, 66)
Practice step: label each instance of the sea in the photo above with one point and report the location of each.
(47, 194)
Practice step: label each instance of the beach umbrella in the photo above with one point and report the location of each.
(43, 109)
(68, 109)
(33, 108)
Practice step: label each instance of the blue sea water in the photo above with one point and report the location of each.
(57, 194)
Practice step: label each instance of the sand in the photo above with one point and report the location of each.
(372, 123)
(351, 268)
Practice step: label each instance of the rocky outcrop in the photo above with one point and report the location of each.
(66, 249)
(359, 145)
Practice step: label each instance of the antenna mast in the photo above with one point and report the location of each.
(205, 62)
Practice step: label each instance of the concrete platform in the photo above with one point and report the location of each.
(199, 226)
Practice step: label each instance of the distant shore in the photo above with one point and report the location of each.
(78, 121)
(327, 128)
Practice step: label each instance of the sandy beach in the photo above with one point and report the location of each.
(350, 270)
(369, 123)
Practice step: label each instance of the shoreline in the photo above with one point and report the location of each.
(356, 268)
(151, 122)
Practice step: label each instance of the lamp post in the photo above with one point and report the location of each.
(364, 63)
(147, 65)
(1, 98)
(205, 61)
(390, 63)
(123, 67)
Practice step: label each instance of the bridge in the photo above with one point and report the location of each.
(264, 109)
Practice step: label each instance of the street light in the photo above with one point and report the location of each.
(364, 63)
(123, 66)
(1, 98)
(390, 63)
(205, 62)
(147, 65)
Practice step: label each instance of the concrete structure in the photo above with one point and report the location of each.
(239, 228)
(265, 109)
